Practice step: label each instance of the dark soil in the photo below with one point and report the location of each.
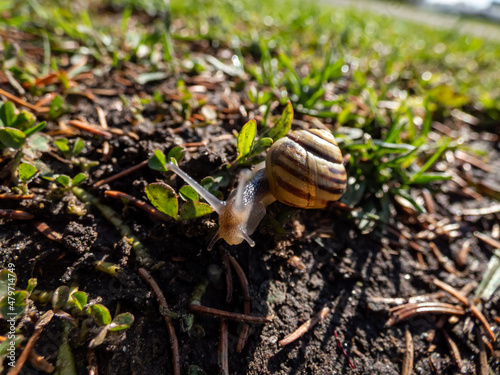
(322, 259)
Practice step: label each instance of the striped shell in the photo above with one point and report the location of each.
(305, 169)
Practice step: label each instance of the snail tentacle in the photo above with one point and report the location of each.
(216, 204)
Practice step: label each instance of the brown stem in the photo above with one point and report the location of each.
(229, 277)
(168, 321)
(42, 322)
(138, 203)
(16, 197)
(242, 339)
(449, 289)
(94, 129)
(479, 315)
(407, 368)
(23, 102)
(15, 214)
(411, 310)
(222, 349)
(488, 240)
(454, 352)
(306, 326)
(48, 231)
(231, 316)
(121, 174)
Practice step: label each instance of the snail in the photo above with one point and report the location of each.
(303, 169)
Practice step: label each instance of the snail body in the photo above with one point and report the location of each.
(303, 169)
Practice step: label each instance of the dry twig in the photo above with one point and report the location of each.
(15, 214)
(138, 203)
(306, 326)
(454, 352)
(91, 128)
(410, 310)
(488, 240)
(168, 321)
(48, 231)
(444, 261)
(246, 302)
(407, 368)
(222, 349)
(16, 197)
(482, 363)
(23, 102)
(230, 315)
(42, 322)
(121, 174)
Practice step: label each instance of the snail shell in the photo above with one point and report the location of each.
(305, 169)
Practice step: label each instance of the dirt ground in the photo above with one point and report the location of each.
(321, 259)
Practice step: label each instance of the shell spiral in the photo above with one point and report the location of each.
(305, 169)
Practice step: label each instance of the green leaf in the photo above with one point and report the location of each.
(188, 193)
(38, 142)
(100, 314)
(79, 299)
(426, 178)
(57, 108)
(392, 147)
(26, 171)
(121, 322)
(432, 160)
(261, 145)
(7, 114)
(406, 195)
(158, 161)
(193, 210)
(344, 116)
(212, 185)
(65, 362)
(282, 127)
(176, 153)
(13, 305)
(78, 179)
(245, 139)
(62, 144)
(34, 129)
(7, 278)
(60, 297)
(209, 184)
(63, 180)
(11, 137)
(78, 146)
(163, 198)
(23, 121)
(32, 283)
(445, 95)
(5, 346)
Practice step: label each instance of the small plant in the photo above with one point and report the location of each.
(75, 302)
(164, 198)
(65, 181)
(249, 149)
(69, 152)
(12, 302)
(26, 173)
(15, 129)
